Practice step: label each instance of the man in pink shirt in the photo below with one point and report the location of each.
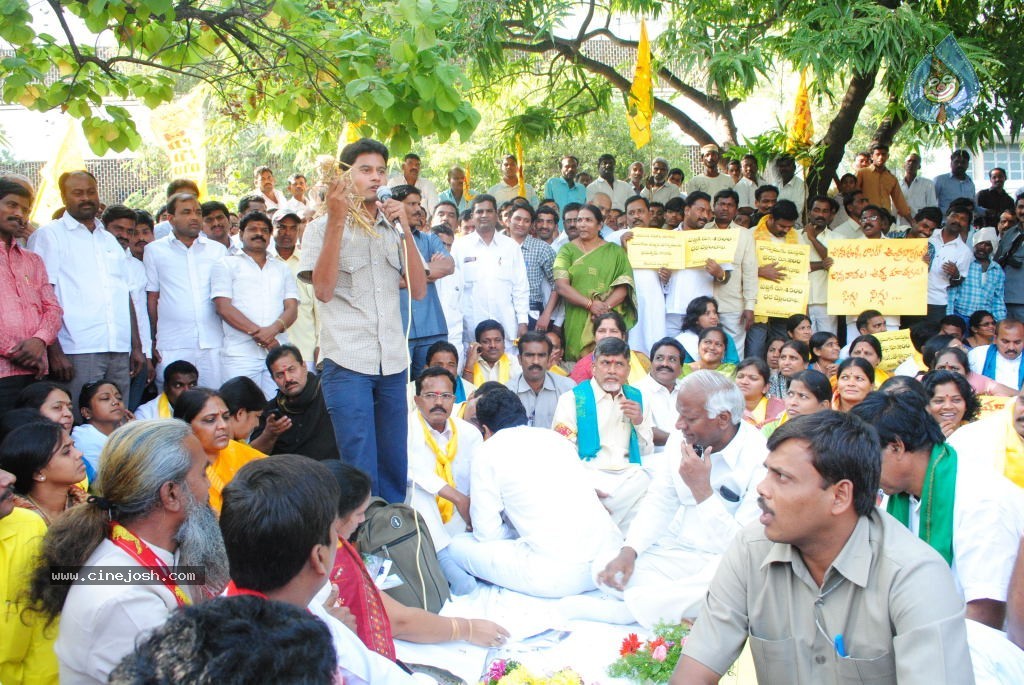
(32, 315)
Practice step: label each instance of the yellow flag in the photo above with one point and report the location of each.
(520, 164)
(640, 101)
(68, 157)
(181, 129)
(801, 128)
(466, 194)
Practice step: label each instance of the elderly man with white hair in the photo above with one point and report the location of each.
(984, 283)
(154, 515)
(696, 504)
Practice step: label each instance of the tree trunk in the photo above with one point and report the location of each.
(820, 176)
(890, 126)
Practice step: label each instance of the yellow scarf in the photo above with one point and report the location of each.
(760, 411)
(443, 463)
(504, 366)
(1012, 464)
(761, 232)
(558, 370)
(163, 407)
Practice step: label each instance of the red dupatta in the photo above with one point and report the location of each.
(357, 591)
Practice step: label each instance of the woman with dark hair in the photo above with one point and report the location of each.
(206, 412)
(47, 467)
(824, 353)
(809, 392)
(854, 381)
(752, 379)
(611, 325)
(981, 329)
(379, 618)
(593, 278)
(103, 411)
(798, 327)
(246, 402)
(49, 399)
(951, 400)
(793, 358)
(711, 344)
(701, 313)
(867, 347)
(955, 359)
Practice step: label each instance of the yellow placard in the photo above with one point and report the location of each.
(712, 243)
(654, 248)
(896, 348)
(781, 299)
(181, 130)
(789, 296)
(888, 275)
(990, 404)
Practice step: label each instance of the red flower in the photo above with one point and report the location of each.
(651, 646)
(630, 645)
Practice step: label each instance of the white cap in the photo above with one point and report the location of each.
(985, 234)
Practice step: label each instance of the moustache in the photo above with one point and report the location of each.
(764, 507)
(535, 367)
(665, 368)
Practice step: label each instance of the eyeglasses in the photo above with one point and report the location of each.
(435, 396)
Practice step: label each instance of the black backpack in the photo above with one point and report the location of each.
(398, 532)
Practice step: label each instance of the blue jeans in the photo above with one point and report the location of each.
(418, 353)
(370, 415)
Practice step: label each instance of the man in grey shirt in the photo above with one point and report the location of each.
(536, 386)
(826, 587)
(1010, 256)
(356, 257)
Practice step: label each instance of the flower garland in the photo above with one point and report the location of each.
(653, 660)
(511, 672)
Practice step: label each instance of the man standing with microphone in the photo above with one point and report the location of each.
(356, 257)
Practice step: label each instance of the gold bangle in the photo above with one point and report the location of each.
(470, 629)
(455, 630)
(283, 327)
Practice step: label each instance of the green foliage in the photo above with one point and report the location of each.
(310, 63)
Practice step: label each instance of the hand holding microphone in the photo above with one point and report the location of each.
(391, 210)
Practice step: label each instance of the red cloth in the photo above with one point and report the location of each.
(357, 591)
(31, 309)
(584, 369)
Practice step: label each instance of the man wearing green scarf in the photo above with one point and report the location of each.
(967, 517)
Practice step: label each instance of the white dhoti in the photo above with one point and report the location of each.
(650, 324)
(515, 565)
(625, 489)
(668, 583)
(207, 362)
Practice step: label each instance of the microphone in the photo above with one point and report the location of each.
(383, 195)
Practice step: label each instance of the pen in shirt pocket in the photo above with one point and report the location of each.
(840, 646)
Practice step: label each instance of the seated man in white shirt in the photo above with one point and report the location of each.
(695, 506)
(279, 520)
(179, 376)
(487, 359)
(661, 386)
(967, 515)
(441, 449)
(612, 429)
(1001, 361)
(537, 524)
(154, 514)
(537, 387)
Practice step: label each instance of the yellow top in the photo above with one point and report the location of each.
(26, 651)
(231, 458)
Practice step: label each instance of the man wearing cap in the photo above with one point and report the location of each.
(983, 283)
(711, 181)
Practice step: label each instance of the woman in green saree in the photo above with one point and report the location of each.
(592, 278)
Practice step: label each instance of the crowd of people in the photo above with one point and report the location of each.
(223, 393)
